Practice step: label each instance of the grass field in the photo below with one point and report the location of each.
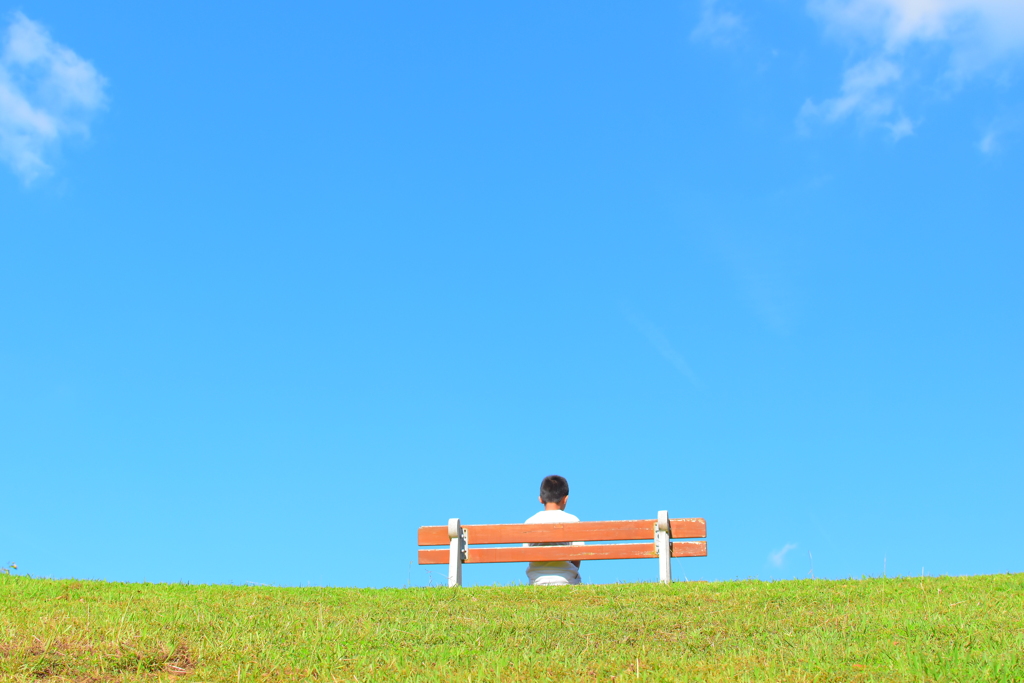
(931, 629)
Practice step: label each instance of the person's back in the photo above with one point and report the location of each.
(554, 493)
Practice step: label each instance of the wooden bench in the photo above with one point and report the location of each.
(464, 542)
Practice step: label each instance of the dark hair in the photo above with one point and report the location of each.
(553, 489)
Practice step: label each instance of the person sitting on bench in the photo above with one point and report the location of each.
(554, 493)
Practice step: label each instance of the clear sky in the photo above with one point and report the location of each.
(280, 283)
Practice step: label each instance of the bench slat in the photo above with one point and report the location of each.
(625, 530)
(619, 551)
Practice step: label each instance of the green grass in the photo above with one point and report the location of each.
(932, 629)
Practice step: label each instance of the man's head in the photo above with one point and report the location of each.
(554, 491)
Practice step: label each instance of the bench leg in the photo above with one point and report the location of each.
(663, 544)
(456, 552)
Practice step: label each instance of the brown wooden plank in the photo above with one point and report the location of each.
(622, 530)
(432, 535)
(689, 549)
(618, 551)
(689, 527)
(477, 555)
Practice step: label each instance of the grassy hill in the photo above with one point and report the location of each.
(932, 629)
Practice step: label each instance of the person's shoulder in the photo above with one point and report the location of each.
(551, 517)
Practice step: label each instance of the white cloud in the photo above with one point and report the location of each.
(762, 276)
(777, 556)
(47, 92)
(977, 32)
(668, 352)
(717, 26)
(968, 36)
(663, 346)
(988, 143)
(1001, 130)
(865, 91)
(900, 128)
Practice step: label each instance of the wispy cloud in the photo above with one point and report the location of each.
(999, 131)
(47, 92)
(761, 275)
(989, 142)
(661, 343)
(776, 557)
(717, 26)
(968, 37)
(867, 91)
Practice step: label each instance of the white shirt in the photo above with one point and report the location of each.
(552, 573)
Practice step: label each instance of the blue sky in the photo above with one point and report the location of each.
(279, 285)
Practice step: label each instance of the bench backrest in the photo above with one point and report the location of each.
(464, 542)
